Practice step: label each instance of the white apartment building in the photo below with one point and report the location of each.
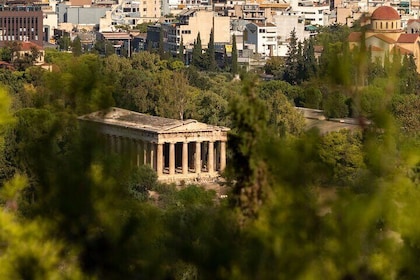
(285, 25)
(261, 38)
(176, 6)
(50, 23)
(128, 12)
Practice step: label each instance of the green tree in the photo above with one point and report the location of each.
(10, 51)
(141, 180)
(409, 77)
(104, 47)
(234, 63)
(285, 118)
(76, 47)
(142, 27)
(210, 53)
(161, 50)
(211, 108)
(342, 152)
(247, 170)
(291, 63)
(181, 50)
(197, 53)
(274, 66)
(64, 42)
(335, 105)
(310, 64)
(406, 110)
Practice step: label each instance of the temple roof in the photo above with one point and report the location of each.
(130, 119)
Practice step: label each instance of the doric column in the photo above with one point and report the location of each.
(153, 156)
(159, 159)
(197, 157)
(139, 150)
(210, 158)
(133, 152)
(185, 158)
(145, 152)
(119, 144)
(171, 158)
(222, 155)
(112, 144)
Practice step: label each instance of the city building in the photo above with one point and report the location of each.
(386, 37)
(176, 149)
(192, 22)
(21, 23)
(130, 13)
(88, 17)
(262, 38)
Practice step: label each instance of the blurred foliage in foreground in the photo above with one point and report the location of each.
(300, 205)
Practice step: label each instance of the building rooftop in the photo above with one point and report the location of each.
(385, 13)
(27, 46)
(355, 37)
(401, 50)
(116, 35)
(408, 38)
(384, 38)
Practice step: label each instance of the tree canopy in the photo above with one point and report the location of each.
(296, 204)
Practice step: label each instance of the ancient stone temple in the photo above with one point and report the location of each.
(177, 150)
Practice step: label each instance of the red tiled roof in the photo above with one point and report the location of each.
(26, 46)
(318, 49)
(385, 13)
(410, 21)
(355, 37)
(408, 38)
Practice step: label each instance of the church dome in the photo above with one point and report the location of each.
(385, 13)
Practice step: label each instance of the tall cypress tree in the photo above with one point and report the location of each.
(234, 67)
(310, 64)
(77, 47)
(181, 50)
(291, 64)
(197, 54)
(210, 53)
(161, 49)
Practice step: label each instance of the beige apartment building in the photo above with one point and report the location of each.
(191, 22)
